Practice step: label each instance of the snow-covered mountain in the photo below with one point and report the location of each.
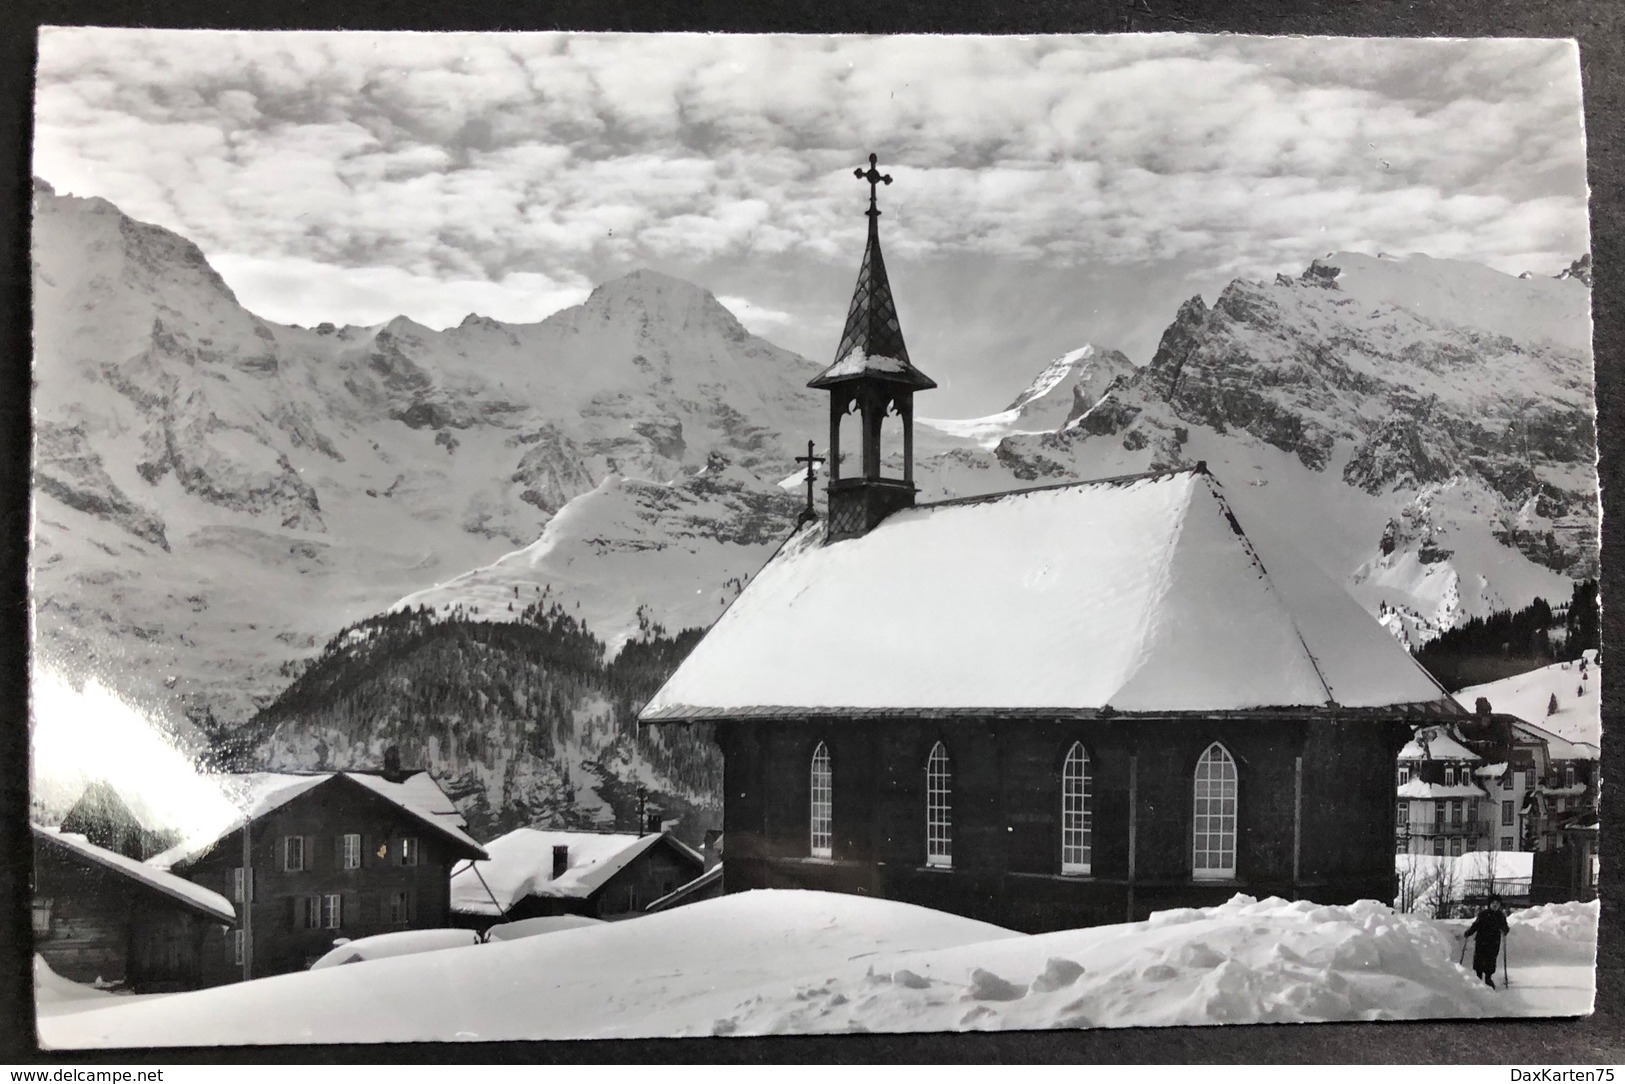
(1063, 389)
(218, 495)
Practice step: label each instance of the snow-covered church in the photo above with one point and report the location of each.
(1055, 707)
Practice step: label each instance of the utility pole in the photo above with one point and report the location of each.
(247, 917)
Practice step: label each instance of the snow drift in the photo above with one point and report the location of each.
(780, 962)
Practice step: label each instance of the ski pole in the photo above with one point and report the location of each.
(1462, 955)
(1504, 979)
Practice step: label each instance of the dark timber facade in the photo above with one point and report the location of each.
(1302, 830)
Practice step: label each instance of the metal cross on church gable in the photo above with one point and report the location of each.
(812, 461)
(874, 177)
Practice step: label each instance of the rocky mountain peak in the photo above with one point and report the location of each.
(647, 295)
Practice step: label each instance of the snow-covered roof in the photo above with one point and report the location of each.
(682, 893)
(209, 904)
(1557, 746)
(259, 793)
(1137, 594)
(1442, 747)
(521, 864)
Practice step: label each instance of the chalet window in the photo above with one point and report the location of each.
(1438, 812)
(1399, 847)
(1568, 775)
(1450, 776)
(237, 943)
(42, 917)
(399, 908)
(1529, 779)
(324, 912)
(1077, 833)
(241, 879)
(1506, 843)
(939, 827)
(293, 854)
(350, 851)
(1506, 779)
(1455, 812)
(822, 803)
(1404, 774)
(1402, 814)
(409, 851)
(1438, 845)
(1506, 812)
(1455, 847)
(1214, 844)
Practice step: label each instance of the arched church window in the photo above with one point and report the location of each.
(1077, 830)
(939, 788)
(1214, 846)
(822, 803)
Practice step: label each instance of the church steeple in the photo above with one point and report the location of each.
(873, 376)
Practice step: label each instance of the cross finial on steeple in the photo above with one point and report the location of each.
(809, 513)
(874, 177)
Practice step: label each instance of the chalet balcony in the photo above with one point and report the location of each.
(1468, 826)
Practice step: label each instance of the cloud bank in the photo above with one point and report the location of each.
(344, 176)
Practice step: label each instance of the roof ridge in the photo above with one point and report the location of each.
(1292, 618)
(1079, 483)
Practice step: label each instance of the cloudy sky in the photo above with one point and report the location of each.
(1048, 191)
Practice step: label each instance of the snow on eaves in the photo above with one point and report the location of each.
(521, 864)
(859, 361)
(209, 904)
(682, 892)
(1139, 594)
(257, 793)
(1443, 747)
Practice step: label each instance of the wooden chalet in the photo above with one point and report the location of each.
(330, 855)
(534, 872)
(104, 918)
(1050, 708)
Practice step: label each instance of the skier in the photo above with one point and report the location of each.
(1489, 927)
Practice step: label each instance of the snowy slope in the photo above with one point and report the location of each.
(797, 962)
(1579, 699)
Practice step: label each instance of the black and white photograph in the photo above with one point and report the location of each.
(574, 535)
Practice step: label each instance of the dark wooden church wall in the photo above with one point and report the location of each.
(1348, 809)
(1007, 812)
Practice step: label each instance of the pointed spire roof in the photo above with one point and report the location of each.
(872, 344)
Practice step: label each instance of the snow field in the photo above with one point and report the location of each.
(1246, 961)
(781, 962)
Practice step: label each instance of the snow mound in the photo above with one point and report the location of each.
(531, 927)
(789, 962)
(1555, 931)
(51, 988)
(405, 943)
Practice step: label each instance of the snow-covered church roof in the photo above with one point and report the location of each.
(1139, 594)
